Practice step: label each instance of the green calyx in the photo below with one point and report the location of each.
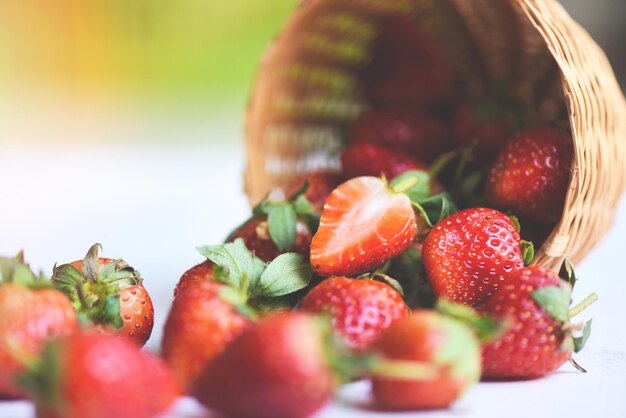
(556, 301)
(259, 284)
(460, 351)
(41, 378)
(528, 252)
(94, 292)
(282, 216)
(457, 355)
(15, 270)
(485, 327)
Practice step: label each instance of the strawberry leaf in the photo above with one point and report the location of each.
(567, 272)
(516, 223)
(528, 252)
(420, 191)
(390, 281)
(286, 274)
(553, 300)
(579, 343)
(435, 208)
(302, 206)
(238, 266)
(281, 221)
(485, 327)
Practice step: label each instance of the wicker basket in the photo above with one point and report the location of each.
(308, 90)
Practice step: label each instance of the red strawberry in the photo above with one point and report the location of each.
(321, 184)
(436, 360)
(531, 174)
(278, 368)
(485, 127)
(108, 292)
(365, 159)
(31, 312)
(470, 254)
(255, 234)
(94, 375)
(360, 310)
(407, 69)
(364, 223)
(197, 274)
(199, 326)
(537, 341)
(417, 134)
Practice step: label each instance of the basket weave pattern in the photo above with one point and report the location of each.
(308, 90)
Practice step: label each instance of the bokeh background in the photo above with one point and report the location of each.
(121, 123)
(161, 70)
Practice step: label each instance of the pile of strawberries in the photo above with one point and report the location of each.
(407, 268)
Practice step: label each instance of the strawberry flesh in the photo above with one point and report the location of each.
(363, 224)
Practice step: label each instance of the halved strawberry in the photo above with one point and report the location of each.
(364, 223)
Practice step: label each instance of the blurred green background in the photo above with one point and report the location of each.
(132, 70)
(178, 48)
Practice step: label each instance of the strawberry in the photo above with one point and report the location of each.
(199, 326)
(416, 134)
(278, 368)
(320, 185)
(531, 174)
(366, 159)
(534, 301)
(31, 312)
(364, 223)
(255, 234)
(484, 126)
(214, 302)
(470, 254)
(95, 375)
(407, 69)
(278, 225)
(109, 293)
(360, 310)
(426, 361)
(198, 273)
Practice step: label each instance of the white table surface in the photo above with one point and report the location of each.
(153, 204)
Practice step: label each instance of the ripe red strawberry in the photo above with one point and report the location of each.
(407, 69)
(199, 326)
(94, 375)
(364, 223)
(360, 310)
(197, 274)
(483, 126)
(428, 361)
(256, 236)
(278, 368)
(535, 303)
(321, 184)
(531, 174)
(109, 293)
(416, 134)
(470, 254)
(31, 312)
(365, 159)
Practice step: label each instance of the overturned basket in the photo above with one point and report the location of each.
(308, 90)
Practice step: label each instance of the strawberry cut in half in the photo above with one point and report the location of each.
(364, 223)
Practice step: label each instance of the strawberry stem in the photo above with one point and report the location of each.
(405, 185)
(402, 369)
(583, 305)
(441, 162)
